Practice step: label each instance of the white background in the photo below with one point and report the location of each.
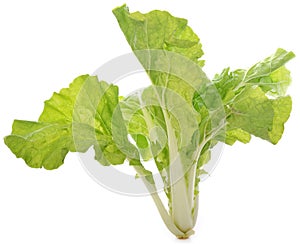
(252, 196)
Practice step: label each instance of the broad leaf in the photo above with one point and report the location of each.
(74, 119)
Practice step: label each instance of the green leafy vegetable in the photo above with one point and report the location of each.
(174, 123)
(73, 120)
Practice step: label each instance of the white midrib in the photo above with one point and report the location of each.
(181, 206)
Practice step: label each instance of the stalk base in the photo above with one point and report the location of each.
(185, 235)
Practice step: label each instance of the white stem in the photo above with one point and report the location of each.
(161, 208)
(181, 207)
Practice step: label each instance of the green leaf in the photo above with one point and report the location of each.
(97, 105)
(74, 119)
(269, 74)
(276, 83)
(145, 122)
(253, 112)
(247, 94)
(282, 108)
(237, 135)
(226, 83)
(40, 144)
(59, 108)
(268, 65)
(158, 30)
(167, 48)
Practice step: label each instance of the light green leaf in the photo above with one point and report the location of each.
(282, 108)
(74, 119)
(270, 75)
(97, 105)
(246, 98)
(268, 65)
(253, 112)
(167, 48)
(158, 30)
(237, 135)
(40, 144)
(59, 108)
(226, 83)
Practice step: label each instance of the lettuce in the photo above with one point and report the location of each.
(175, 122)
